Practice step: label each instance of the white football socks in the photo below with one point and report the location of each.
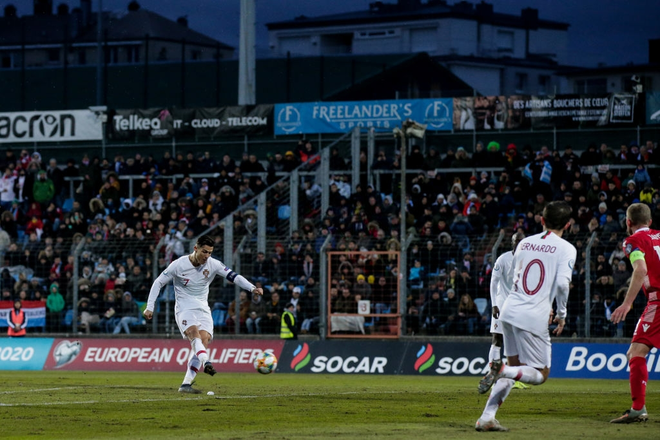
(494, 353)
(199, 350)
(498, 394)
(194, 365)
(524, 374)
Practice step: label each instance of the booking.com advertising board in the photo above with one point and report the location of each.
(339, 117)
(569, 360)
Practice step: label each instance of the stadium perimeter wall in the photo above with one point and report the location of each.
(413, 357)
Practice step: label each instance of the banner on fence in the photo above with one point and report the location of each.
(197, 122)
(50, 126)
(233, 356)
(560, 111)
(340, 117)
(35, 312)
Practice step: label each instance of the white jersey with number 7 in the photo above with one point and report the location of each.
(543, 268)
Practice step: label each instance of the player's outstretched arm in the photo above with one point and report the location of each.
(163, 279)
(639, 273)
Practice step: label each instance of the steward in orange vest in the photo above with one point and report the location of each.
(17, 321)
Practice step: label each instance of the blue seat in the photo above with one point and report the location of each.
(68, 318)
(219, 317)
(284, 212)
(68, 205)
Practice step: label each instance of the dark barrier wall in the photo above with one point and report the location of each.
(569, 360)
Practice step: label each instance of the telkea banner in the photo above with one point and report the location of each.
(50, 126)
(560, 111)
(340, 117)
(199, 122)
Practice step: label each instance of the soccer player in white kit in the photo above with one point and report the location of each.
(192, 274)
(543, 268)
(501, 283)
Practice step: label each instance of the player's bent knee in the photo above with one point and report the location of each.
(546, 373)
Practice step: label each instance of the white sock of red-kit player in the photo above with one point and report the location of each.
(199, 350)
(194, 365)
(524, 374)
(498, 394)
(494, 353)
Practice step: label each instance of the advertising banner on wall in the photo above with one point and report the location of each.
(50, 126)
(198, 122)
(560, 111)
(233, 356)
(340, 117)
(653, 108)
(35, 312)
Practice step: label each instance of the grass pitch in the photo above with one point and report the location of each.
(71, 405)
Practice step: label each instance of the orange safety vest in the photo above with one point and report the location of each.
(16, 319)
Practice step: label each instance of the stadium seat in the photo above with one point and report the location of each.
(68, 205)
(68, 318)
(219, 317)
(482, 305)
(284, 212)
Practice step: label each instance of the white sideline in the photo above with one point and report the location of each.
(87, 402)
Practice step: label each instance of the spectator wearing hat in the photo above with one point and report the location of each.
(591, 156)
(291, 162)
(480, 155)
(362, 288)
(432, 159)
(462, 159)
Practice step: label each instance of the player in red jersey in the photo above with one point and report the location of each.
(643, 250)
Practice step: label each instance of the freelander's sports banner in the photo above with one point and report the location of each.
(35, 311)
(560, 111)
(653, 108)
(340, 117)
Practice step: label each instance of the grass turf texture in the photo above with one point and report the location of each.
(70, 405)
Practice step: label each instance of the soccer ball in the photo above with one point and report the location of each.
(265, 362)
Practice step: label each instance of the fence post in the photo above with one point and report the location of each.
(371, 147)
(403, 278)
(324, 288)
(325, 180)
(76, 277)
(294, 187)
(355, 155)
(154, 275)
(236, 264)
(261, 223)
(587, 288)
(497, 244)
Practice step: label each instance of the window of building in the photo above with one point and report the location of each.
(504, 41)
(521, 83)
(112, 55)
(195, 54)
(385, 33)
(593, 85)
(82, 57)
(5, 61)
(133, 54)
(54, 55)
(162, 55)
(544, 84)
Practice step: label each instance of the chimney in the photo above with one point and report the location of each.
(654, 51)
(530, 16)
(62, 9)
(43, 7)
(10, 11)
(86, 12)
(484, 9)
(183, 21)
(133, 6)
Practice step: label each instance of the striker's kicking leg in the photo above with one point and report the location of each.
(193, 367)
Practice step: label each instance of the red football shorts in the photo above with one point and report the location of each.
(648, 327)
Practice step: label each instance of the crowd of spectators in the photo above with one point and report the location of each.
(453, 215)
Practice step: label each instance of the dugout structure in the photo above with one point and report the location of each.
(363, 294)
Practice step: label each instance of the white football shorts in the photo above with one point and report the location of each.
(531, 349)
(201, 318)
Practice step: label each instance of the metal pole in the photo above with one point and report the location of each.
(323, 288)
(261, 223)
(355, 155)
(247, 54)
(76, 277)
(99, 55)
(497, 244)
(154, 275)
(236, 262)
(294, 189)
(183, 73)
(403, 286)
(404, 153)
(145, 91)
(325, 179)
(554, 139)
(371, 147)
(587, 289)
(228, 239)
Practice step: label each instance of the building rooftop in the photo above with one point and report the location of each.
(407, 10)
